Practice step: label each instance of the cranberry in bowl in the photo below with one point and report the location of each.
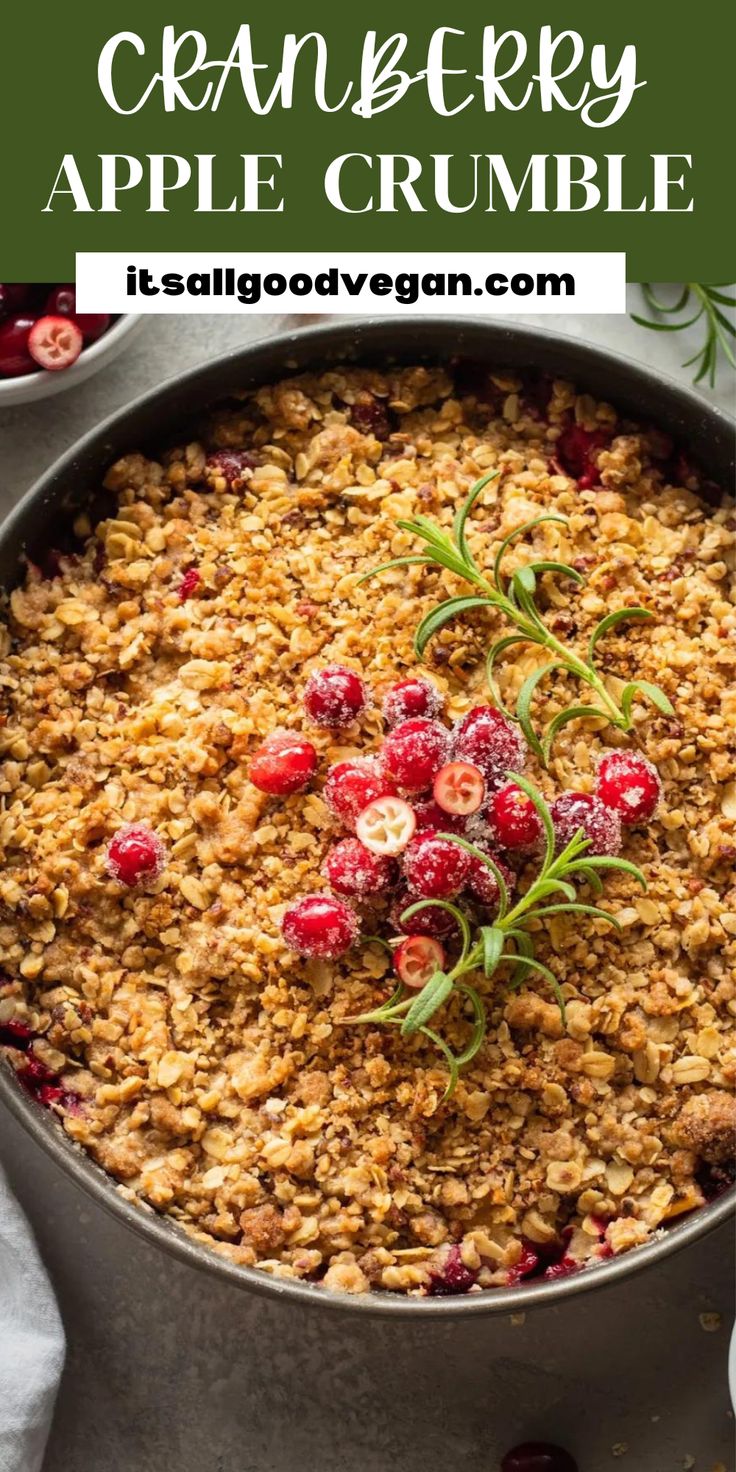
(47, 346)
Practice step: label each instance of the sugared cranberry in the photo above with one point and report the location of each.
(575, 450)
(55, 343)
(435, 868)
(370, 416)
(482, 882)
(414, 752)
(429, 814)
(135, 854)
(513, 820)
(538, 1456)
(386, 825)
(629, 784)
(417, 960)
(353, 870)
(16, 1034)
(485, 738)
(320, 925)
(189, 584)
(334, 696)
(453, 1276)
(601, 825)
(15, 358)
(409, 699)
(62, 302)
(432, 921)
(459, 788)
(285, 763)
(232, 464)
(351, 786)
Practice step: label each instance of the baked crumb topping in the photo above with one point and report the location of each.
(197, 1059)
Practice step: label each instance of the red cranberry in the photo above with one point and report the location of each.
(189, 584)
(715, 1177)
(13, 296)
(564, 1268)
(453, 1276)
(432, 922)
(414, 752)
(49, 1094)
(15, 359)
(55, 343)
(486, 739)
(370, 416)
(62, 302)
(513, 819)
(482, 882)
(435, 868)
(351, 786)
(231, 464)
(135, 854)
(353, 870)
(34, 1074)
(334, 696)
(601, 825)
(575, 449)
(410, 698)
(285, 763)
(429, 814)
(15, 1034)
(629, 784)
(526, 1267)
(538, 1456)
(320, 925)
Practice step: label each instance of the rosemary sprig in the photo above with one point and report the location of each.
(708, 301)
(488, 951)
(515, 598)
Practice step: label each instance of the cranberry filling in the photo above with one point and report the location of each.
(453, 1277)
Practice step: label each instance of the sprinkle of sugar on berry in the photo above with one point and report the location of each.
(352, 785)
(413, 753)
(513, 820)
(352, 870)
(135, 855)
(482, 883)
(429, 814)
(283, 764)
(601, 825)
(334, 696)
(630, 785)
(435, 868)
(486, 739)
(438, 924)
(320, 925)
(409, 699)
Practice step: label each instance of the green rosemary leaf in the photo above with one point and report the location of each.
(543, 887)
(590, 877)
(622, 865)
(521, 531)
(426, 1003)
(719, 296)
(523, 704)
(463, 513)
(477, 853)
(561, 567)
(563, 718)
(479, 1025)
(536, 798)
(450, 909)
(450, 1059)
(611, 620)
(724, 322)
(493, 941)
(576, 908)
(416, 559)
(666, 326)
(658, 306)
(525, 580)
(528, 963)
(652, 692)
(443, 614)
(495, 650)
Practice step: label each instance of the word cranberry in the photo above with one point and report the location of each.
(575, 449)
(453, 1276)
(189, 584)
(514, 820)
(435, 868)
(538, 1456)
(353, 870)
(601, 826)
(55, 342)
(482, 882)
(414, 752)
(15, 358)
(417, 959)
(409, 699)
(487, 739)
(62, 302)
(285, 763)
(432, 921)
(629, 784)
(386, 825)
(320, 925)
(459, 788)
(352, 785)
(334, 696)
(134, 854)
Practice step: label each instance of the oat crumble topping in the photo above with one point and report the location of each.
(202, 1064)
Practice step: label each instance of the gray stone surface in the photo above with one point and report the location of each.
(169, 1371)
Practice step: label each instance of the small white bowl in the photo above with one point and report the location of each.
(44, 384)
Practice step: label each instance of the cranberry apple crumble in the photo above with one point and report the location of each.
(238, 812)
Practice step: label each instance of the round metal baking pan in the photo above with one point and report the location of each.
(41, 520)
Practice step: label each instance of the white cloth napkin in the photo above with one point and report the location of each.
(31, 1343)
